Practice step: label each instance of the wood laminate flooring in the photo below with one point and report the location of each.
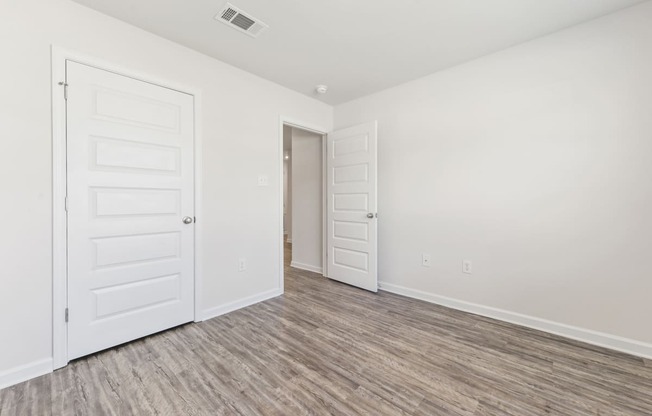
(327, 348)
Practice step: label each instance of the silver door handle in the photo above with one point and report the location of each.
(187, 220)
(370, 215)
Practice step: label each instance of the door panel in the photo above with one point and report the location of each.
(130, 183)
(117, 155)
(129, 201)
(351, 188)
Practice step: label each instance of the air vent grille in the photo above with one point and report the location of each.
(237, 19)
(228, 13)
(242, 21)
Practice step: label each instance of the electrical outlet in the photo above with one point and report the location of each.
(263, 180)
(467, 267)
(425, 260)
(242, 265)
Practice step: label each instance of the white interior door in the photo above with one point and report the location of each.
(130, 185)
(351, 189)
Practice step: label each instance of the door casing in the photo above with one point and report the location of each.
(59, 57)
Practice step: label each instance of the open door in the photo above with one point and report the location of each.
(351, 189)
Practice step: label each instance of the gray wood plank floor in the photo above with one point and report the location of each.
(327, 348)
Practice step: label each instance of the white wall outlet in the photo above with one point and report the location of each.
(263, 180)
(425, 260)
(242, 264)
(467, 267)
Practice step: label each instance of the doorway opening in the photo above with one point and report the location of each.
(303, 200)
(329, 179)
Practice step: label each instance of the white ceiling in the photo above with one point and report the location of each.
(356, 47)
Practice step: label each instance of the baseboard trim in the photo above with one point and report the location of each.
(304, 266)
(25, 372)
(240, 303)
(600, 339)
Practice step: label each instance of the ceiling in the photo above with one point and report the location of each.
(356, 47)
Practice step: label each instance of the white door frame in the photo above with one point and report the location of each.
(59, 183)
(291, 122)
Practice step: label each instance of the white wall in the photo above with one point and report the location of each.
(240, 130)
(533, 163)
(307, 189)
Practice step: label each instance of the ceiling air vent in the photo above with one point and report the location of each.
(237, 19)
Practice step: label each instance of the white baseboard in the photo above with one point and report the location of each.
(304, 266)
(25, 372)
(600, 339)
(240, 303)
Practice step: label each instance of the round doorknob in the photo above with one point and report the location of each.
(187, 220)
(370, 215)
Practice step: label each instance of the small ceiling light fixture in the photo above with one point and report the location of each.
(322, 89)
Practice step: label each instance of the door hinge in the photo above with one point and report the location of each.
(194, 219)
(65, 204)
(66, 315)
(65, 89)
